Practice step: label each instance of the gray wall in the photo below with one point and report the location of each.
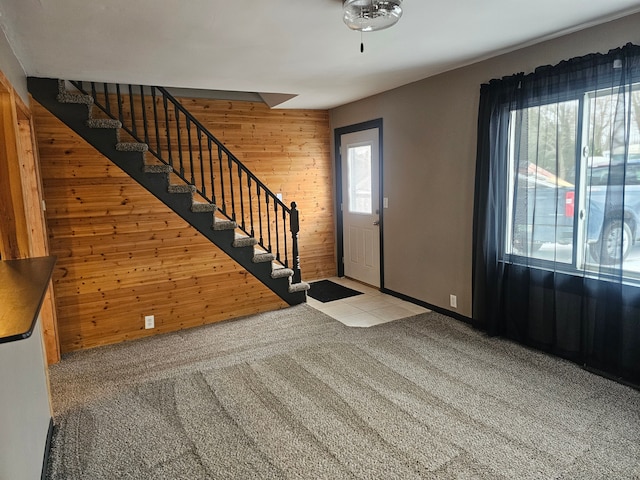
(429, 162)
(12, 69)
(25, 410)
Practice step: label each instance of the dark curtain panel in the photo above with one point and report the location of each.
(557, 211)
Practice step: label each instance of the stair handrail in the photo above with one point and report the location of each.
(271, 200)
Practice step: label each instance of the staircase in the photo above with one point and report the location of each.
(151, 136)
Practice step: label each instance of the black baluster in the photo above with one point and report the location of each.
(167, 129)
(134, 129)
(144, 116)
(266, 199)
(233, 199)
(260, 214)
(155, 122)
(241, 190)
(250, 205)
(188, 123)
(222, 192)
(94, 92)
(107, 105)
(179, 141)
(213, 185)
(119, 98)
(204, 187)
(284, 236)
(294, 220)
(275, 216)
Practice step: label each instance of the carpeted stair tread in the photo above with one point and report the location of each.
(299, 287)
(245, 242)
(281, 273)
(132, 147)
(224, 225)
(158, 168)
(199, 207)
(181, 188)
(263, 257)
(103, 123)
(66, 96)
(80, 98)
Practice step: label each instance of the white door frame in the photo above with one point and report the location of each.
(338, 132)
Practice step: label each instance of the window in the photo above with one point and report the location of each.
(573, 193)
(542, 165)
(557, 206)
(359, 179)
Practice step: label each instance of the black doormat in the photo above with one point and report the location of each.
(328, 291)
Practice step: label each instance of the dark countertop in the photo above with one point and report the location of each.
(23, 284)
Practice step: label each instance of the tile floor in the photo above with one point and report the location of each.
(371, 308)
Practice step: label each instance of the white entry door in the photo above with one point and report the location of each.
(360, 203)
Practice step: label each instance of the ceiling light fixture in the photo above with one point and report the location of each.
(371, 15)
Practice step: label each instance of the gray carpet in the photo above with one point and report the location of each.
(295, 394)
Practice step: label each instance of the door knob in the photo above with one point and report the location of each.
(377, 222)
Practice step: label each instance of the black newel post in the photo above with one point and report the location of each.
(295, 228)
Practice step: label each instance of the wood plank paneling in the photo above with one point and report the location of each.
(34, 214)
(14, 232)
(122, 254)
(22, 224)
(289, 151)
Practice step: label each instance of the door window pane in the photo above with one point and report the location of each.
(359, 179)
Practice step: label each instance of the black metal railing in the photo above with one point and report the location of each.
(175, 137)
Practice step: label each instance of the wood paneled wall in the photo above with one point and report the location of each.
(122, 254)
(289, 151)
(22, 224)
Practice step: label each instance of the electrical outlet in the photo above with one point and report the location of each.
(149, 321)
(453, 301)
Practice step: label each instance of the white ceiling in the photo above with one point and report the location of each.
(296, 47)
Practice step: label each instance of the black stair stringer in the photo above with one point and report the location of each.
(75, 116)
